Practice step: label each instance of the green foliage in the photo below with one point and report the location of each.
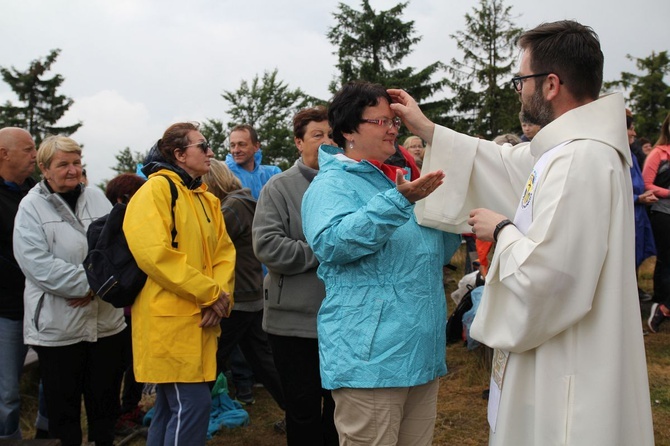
(486, 103)
(649, 95)
(268, 105)
(369, 44)
(40, 107)
(371, 47)
(126, 161)
(214, 132)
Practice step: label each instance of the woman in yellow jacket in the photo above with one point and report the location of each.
(176, 315)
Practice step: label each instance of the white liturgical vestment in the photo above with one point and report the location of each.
(561, 297)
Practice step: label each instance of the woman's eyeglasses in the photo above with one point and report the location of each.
(204, 145)
(385, 122)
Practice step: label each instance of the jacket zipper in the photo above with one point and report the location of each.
(281, 284)
(203, 209)
(38, 310)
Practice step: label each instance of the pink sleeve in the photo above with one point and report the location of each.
(649, 173)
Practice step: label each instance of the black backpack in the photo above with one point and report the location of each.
(110, 267)
(455, 321)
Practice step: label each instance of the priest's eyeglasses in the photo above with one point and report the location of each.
(518, 80)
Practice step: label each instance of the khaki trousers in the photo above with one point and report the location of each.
(399, 416)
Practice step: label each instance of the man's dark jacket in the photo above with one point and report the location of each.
(12, 280)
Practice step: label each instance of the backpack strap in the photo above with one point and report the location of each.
(175, 194)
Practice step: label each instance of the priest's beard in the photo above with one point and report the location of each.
(537, 110)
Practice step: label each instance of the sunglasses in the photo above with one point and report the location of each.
(204, 146)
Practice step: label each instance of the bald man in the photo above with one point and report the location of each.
(17, 163)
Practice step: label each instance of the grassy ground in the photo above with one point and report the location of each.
(461, 417)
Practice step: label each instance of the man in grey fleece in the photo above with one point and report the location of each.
(292, 290)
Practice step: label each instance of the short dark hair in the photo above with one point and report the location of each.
(122, 187)
(252, 132)
(345, 110)
(571, 51)
(175, 137)
(307, 115)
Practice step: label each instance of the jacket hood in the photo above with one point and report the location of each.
(333, 158)
(258, 157)
(155, 162)
(610, 128)
(242, 194)
(665, 148)
(245, 198)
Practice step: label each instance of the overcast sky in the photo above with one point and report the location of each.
(133, 67)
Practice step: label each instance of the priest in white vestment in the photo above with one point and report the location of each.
(560, 304)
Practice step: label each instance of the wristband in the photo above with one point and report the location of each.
(499, 226)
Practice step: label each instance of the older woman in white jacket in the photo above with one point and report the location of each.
(76, 335)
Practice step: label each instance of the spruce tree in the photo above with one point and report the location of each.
(268, 104)
(40, 106)
(372, 45)
(648, 93)
(126, 161)
(485, 101)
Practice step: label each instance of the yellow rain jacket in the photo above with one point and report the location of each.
(168, 344)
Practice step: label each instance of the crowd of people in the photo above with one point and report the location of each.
(324, 283)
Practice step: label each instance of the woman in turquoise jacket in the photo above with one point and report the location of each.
(381, 327)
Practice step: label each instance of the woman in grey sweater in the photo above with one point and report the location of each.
(292, 290)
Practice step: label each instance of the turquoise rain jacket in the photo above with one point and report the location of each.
(383, 321)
